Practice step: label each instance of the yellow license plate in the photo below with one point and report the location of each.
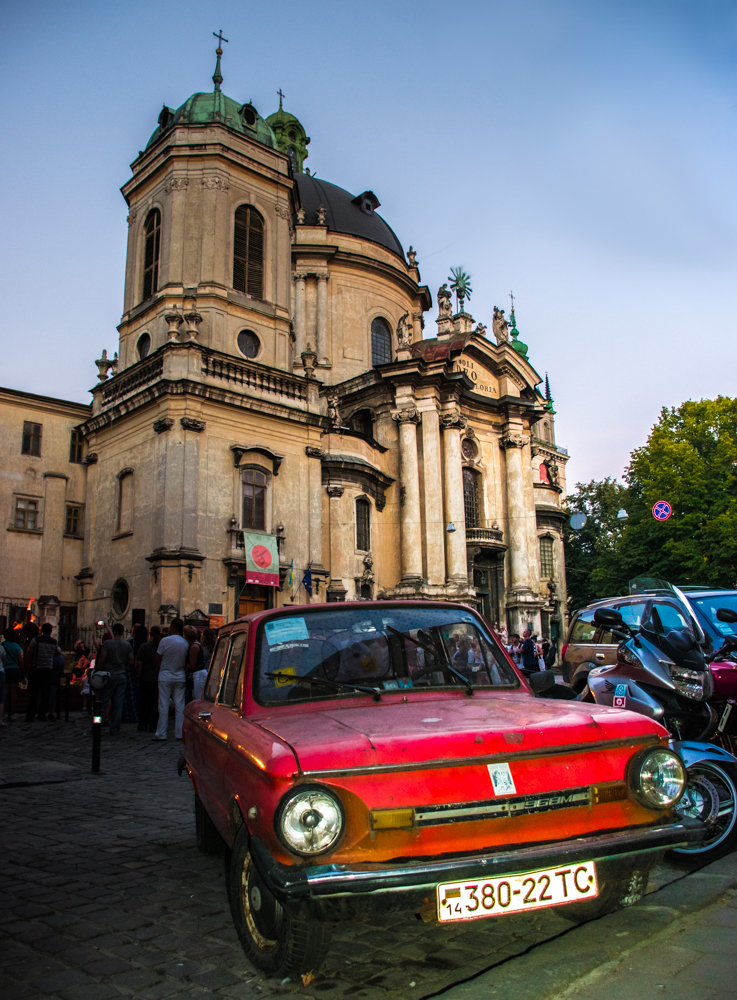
(469, 900)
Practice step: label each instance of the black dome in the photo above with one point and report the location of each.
(344, 212)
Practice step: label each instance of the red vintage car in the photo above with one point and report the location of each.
(380, 754)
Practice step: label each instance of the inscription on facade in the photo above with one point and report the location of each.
(483, 383)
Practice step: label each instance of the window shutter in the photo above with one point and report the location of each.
(151, 254)
(248, 252)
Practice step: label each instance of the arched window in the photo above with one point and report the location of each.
(546, 558)
(381, 342)
(363, 525)
(151, 254)
(471, 498)
(254, 500)
(362, 422)
(248, 252)
(143, 346)
(125, 502)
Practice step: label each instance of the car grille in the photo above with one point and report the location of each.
(517, 805)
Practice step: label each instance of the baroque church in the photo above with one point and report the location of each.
(273, 376)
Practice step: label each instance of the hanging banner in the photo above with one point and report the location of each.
(262, 559)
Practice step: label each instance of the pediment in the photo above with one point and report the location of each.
(485, 382)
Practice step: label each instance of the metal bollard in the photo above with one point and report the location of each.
(96, 737)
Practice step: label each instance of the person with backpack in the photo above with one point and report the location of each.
(114, 657)
(39, 666)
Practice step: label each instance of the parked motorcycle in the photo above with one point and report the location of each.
(723, 663)
(664, 675)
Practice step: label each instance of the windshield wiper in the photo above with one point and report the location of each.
(336, 685)
(428, 649)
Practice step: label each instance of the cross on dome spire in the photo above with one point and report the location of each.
(217, 76)
(281, 97)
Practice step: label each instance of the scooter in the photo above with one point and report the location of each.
(665, 676)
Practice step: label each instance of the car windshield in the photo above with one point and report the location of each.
(381, 649)
(708, 607)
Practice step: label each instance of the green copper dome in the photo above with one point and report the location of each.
(202, 109)
(519, 345)
(290, 136)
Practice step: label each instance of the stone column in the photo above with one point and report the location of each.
(300, 315)
(410, 504)
(54, 520)
(336, 588)
(314, 476)
(516, 511)
(457, 571)
(322, 318)
(434, 524)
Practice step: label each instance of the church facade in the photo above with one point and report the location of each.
(273, 376)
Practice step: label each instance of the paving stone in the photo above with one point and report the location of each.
(91, 991)
(106, 966)
(136, 978)
(214, 979)
(59, 980)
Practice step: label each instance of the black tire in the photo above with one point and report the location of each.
(209, 840)
(711, 796)
(614, 894)
(280, 939)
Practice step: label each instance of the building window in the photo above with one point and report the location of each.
(248, 252)
(120, 596)
(73, 521)
(26, 513)
(151, 254)
(546, 558)
(471, 498)
(254, 500)
(363, 423)
(31, 438)
(248, 343)
(381, 342)
(363, 525)
(143, 346)
(366, 594)
(125, 501)
(67, 627)
(75, 445)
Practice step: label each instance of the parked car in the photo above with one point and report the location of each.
(379, 755)
(591, 645)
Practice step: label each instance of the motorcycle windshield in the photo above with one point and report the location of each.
(654, 586)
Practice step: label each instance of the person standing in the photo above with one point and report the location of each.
(115, 656)
(39, 665)
(171, 659)
(195, 661)
(13, 669)
(148, 682)
(529, 663)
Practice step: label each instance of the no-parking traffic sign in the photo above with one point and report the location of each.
(662, 510)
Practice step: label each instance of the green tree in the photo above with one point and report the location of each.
(592, 564)
(690, 460)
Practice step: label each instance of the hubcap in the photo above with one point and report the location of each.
(710, 798)
(262, 912)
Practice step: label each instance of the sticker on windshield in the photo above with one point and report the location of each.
(501, 779)
(620, 696)
(286, 630)
(400, 682)
(287, 675)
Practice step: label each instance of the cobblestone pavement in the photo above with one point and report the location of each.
(104, 893)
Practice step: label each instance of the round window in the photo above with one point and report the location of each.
(120, 597)
(249, 114)
(468, 449)
(248, 343)
(143, 346)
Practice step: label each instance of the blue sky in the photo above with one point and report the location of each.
(581, 154)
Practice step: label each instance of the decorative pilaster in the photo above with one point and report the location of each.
(434, 526)
(322, 319)
(336, 589)
(314, 479)
(300, 313)
(452, 421)
(516, 510)
(410, 484)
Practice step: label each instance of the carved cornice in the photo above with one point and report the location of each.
(407, 415)
(216, 183)
(314, 452)
(452, 418)
(176, 184)
(90, 459)
(335, 491)
(163, 424)
(190, 424)
(508, 440)
(132, 216)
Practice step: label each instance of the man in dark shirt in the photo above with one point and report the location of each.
(39, 664)
(148, 676)
(115, 655)
(530, 663)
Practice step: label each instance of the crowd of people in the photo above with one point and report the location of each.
(134, 679)
(529, 652)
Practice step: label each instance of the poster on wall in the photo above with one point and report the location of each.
(262, 559)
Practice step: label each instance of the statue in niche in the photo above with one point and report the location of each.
(553, 474)
(499, 326)
(334, 413)
(404, 332)
(445, 310)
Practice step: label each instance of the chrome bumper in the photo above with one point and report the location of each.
(629, 849)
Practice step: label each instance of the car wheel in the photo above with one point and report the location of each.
(209, 840)
(614, 894)
(710, 796)
(281, 939)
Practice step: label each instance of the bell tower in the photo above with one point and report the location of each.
(210, 207)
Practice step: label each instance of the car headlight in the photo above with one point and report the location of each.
(310, 821)
(692, 684)
(657, 778)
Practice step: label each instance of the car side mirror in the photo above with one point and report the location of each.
(541, 681)
(727, 615)
(608, 617)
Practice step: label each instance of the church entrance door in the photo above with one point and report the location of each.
(252, 597)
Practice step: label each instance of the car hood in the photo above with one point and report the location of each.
(456, 727)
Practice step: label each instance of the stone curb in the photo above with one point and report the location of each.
(551, 967)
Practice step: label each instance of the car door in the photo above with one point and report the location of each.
(202, 748)
(225, 712)
(632, 613)
(580, 645)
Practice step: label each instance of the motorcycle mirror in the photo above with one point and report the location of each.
(727, 615)
(607, 616)
(541, 681)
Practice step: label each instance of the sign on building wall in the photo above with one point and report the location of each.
(484, 382)
(262, 559)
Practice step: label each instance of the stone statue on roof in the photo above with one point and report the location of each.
(499, 326)
(445, 310)
(404, 332)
